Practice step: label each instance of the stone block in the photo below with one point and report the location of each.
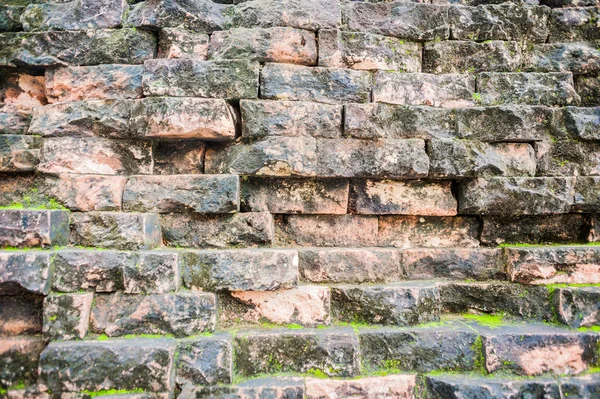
(314, 196)
(25, 270)
(250, 229)
(9, 17)
(324, 85)
(20, 314)
(19, 357)
(178, 157)
(350, 265)
(588, 88)
(256, 388)
(429, 232)
(181, 314)
(154, 272)
(209, 79)
(456, 56)
(400, 386)
(124, 231)
(508, 196)
(577, 306)
(453, 263)
(182, 193)
(74, 15)
(85, 192)
(205, 360)
(574, 24)
(33, 228)
(446, 90)
(566, 156)
(582, 123)
(587, 194)
(415, 197)
(182, 43)
(277, 44)
(358, 50)
(19, 153)
(195, 15)
(239, 269)
(326, 230)
(67, 316)
(579, 58)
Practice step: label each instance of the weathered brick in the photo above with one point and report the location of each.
(25, 270)
(456, 56)
(218, 231)
(411, 21)
(88, 270)
(507, 21)
(197, 16)
(534, 350)
(534, 229)
(67, 316)
(326, 230)
(205, 360)
(587, 194)
(374, 121)
(290, 118)
(313, 15)
(153, 272)
(85, 192)
(333, 352)
(240, 269)
(211, 79)
(79, 15)
(557, 264)
(553, 89)
(306, 305)
(315, 196)
(200, 193)
(396, 304)
(516, 195)
(504, 123)
(579, 58)
(125, 231)
(92, 155)
(419, 349)
(19, 153)
(183, 118)
(273, 156)
(588, 88)
(33, 228)
(182, 43)
(469, 158)
(83, 47)
(20, 357)
(404, 158)
(178, 157)
(415, 197)
(358, 50)
(583, 123)
(326, 85)
(572, 24)
(181, 314)
(577, 306)
(21, 314)
(256, 388)
(565, 156)
(350, 265)
(455, 263)
(277, 44)
(447, 90)
(396, 386)
(14, 119)
(103, 365)
(101, 82)
(431, 232)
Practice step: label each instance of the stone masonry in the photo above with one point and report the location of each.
(288, 199)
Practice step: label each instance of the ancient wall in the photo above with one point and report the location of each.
(299, 198)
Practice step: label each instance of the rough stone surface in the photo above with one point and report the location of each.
(356, 50)
(333, 352)
(283, 45)
(516, 196)
(290, 118)
(239, 269)
(197, 16)
(154, 272)
(181, 314)
(451, 158)
(324, 196)
(104, 365)
(403, 198)
(400, 386)
(399, 304)
(218, 231)
(19, 357)
(101, 82)
(178, 157)
(21, 315)
(432, 232)
(182, 43)
(197, 193)
(583, 123)
(125, 231)
(572, 24)
(27, 270)
(587, 194)
(579, 58)
(456, 56)
(325, 85)
(85, 192)
(33, 228)
(19, 153)
(74, 15)
(85, 47)
(350, 265)
(446, 90)
(205, 360)
(326, 230)
(577, 306)
(454, 263)
(191, 78)
(9, 17)
(67, 316)
(560, 264)
(553, 89)
(588, 88)
(256, 388)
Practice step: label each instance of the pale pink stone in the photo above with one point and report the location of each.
(401, 386)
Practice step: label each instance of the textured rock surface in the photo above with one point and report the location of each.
(33, 228)
(182, 43)
(435, 232)
(20, 357)
(154, 272)
(397, 386)
(86, 192)
(74, 15)
(19, 153)
(468, 57)
(30, 271)
(326, 230)
(205, 360)
(67, 316)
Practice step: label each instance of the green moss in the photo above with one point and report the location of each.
(595, 329)
(477, 348)
(102, 337)
(93, 394)
(316, 373)
(487, 320)
(135, 336)
(477, 97)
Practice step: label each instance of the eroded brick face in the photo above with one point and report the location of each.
(286, 199)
